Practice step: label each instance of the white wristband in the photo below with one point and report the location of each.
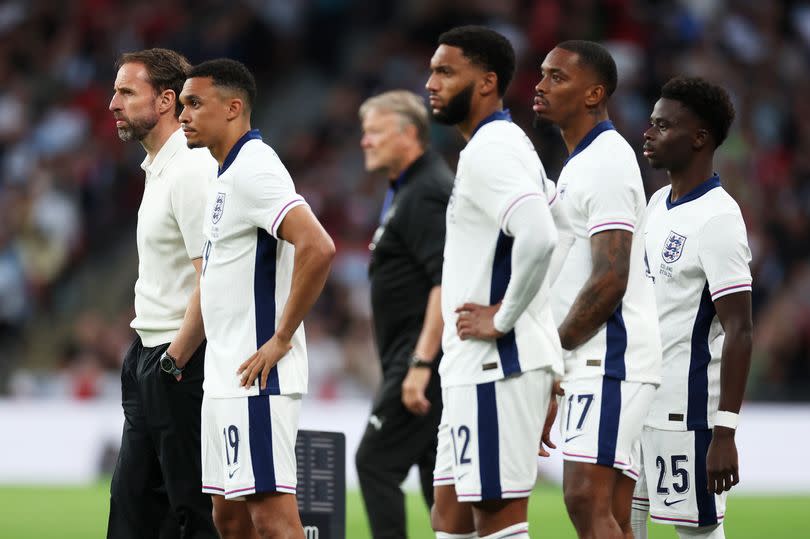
(726, 419)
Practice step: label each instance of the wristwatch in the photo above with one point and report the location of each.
(168, 364)
(418, 362)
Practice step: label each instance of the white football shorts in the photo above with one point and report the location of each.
(489, 436)
(248, 445)
(674, 481)
(600, 420)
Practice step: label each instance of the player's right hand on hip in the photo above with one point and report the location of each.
(263, 361)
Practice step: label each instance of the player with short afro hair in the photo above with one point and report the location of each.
(709, 102)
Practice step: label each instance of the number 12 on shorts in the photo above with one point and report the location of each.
(461, 442)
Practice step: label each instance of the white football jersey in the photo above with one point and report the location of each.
(600, 189)
(247, 270)
(697, 250)
(497, 171)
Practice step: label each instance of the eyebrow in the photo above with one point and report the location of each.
(189, 96)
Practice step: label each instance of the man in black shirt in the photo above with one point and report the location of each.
(405, 271)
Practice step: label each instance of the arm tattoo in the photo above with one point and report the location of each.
(604, 289)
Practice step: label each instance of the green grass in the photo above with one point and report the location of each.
(81, 513)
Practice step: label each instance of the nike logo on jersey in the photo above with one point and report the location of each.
(673, 502)
(574, 436)
(232, 472)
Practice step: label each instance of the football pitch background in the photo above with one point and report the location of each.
(81, 513)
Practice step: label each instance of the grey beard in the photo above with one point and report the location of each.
(137, 130)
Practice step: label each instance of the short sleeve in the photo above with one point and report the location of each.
(724, 255)
(188, 192)
(498, 182)
(611, 202)
(269, 194)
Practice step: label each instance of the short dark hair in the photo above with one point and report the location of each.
(709, 102)
(596, 57)
(228, 73)
(485, 48)
(167, 70)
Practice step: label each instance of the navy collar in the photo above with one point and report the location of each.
(605, 125)
(497, 115)
(695, 193)
(250, 135)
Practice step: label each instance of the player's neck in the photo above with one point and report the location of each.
(576, 130)
(477, 115)
(158, 136)
(223, 147)
(685, 180)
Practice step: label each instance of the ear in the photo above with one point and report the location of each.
(701, 139)
(594, 95)
(489, 83)
(166, 102)
(235, 108)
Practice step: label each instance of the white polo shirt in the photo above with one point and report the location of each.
(600, 189)
(697, 249)
(169, 236)
(247, 270)
(497, 171)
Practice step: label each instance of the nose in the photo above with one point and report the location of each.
(183, 116)
(365, 142)
(648, 133)
(540, 88)
(431, 85)
(114, 103)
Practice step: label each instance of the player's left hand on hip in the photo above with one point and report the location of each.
(722, 468)
(261, 363)
(476, 322)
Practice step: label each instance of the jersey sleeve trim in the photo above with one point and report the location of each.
(731, 289)
(611, 225)
(517, 201)
(297, 201)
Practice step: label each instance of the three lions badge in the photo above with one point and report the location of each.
(219, 207)
(673, 247)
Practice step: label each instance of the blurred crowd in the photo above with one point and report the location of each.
(69, 189)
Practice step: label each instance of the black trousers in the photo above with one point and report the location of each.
(395, 440)
(156, 489)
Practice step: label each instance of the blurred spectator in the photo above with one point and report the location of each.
(69, 192)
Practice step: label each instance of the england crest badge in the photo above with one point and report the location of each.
(673, 247)
(219, 207)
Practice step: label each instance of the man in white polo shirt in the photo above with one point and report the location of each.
(698, 253)
(265, 261)
(501, 349)
(602, 299)
(156, 485)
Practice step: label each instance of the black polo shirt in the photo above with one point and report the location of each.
(406, 257)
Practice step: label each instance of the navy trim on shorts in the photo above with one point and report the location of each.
(261, 443)
(697, 404)
(609, 421)
(264, 300)
(707, 509)
(488, 446)
(501, 274)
